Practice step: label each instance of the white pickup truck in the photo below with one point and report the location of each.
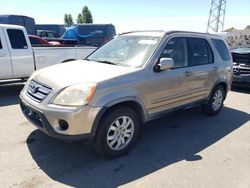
(18, 59)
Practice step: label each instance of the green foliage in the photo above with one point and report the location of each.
(68, 20)
(79, 19)
(86, 15)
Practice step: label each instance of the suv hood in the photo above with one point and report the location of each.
(242, 58)
(80, 71)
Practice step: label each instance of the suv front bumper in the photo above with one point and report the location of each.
(80, 121)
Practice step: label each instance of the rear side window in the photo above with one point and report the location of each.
(222, 49)
(17, 39)
(51, 35)
(200, 52)
(43, 34)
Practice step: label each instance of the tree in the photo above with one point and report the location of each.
(85, 16)
(68, 20)
(79, 19)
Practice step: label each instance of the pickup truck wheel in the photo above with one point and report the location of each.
(118, 132)
(215, 103)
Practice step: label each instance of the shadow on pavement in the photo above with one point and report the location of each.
(177, 136)
(9, 93)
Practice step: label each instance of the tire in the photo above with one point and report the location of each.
(118, 132)
(215, 102)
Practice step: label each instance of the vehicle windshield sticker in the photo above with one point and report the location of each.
(167, 51)
(147, 41)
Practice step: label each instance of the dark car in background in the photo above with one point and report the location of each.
(57, 29)
(25, 21)
(241, 66)
(90, 34)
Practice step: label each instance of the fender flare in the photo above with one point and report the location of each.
(144, 115)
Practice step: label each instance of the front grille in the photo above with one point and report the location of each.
(37, 91)
(244, 71)
(241, 70)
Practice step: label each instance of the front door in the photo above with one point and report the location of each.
(21, 52)
(170, 88)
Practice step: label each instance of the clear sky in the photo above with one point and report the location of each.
(133, 14)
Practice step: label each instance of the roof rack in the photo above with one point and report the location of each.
(191, 32)
(168, 32)
(140, 31)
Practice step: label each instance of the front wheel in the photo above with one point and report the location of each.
(118, 132)
(215, 103)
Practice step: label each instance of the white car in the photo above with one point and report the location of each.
(18, 59)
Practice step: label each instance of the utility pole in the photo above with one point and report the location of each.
(216, 16)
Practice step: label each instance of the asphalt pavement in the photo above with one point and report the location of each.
(182, 149)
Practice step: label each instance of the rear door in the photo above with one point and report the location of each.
(21, 51)
(203, 72)
(5, 61)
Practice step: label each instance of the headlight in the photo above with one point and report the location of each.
(76, 95)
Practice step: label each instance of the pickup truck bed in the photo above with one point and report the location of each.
(18, 59)
(61, 55)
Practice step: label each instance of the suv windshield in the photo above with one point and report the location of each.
(131, 51)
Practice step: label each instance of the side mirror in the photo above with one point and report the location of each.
(164, 64)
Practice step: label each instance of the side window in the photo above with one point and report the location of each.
(222, 49)
(1, 44)
(43, 34)
(17, 39)
(176, 48)
(51, 35)
(200, 52)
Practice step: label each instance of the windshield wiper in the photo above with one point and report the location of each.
(106, 62)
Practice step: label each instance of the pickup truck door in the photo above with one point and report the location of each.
(21, 52)
(170, 88)
(5, 61)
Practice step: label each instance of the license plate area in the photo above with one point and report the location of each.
(32, 115)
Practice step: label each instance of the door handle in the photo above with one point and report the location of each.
(215, 68)
(187, 73)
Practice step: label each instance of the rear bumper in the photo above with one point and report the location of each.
(48, 121)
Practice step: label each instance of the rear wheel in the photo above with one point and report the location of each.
(118, 132)
(215, 103)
